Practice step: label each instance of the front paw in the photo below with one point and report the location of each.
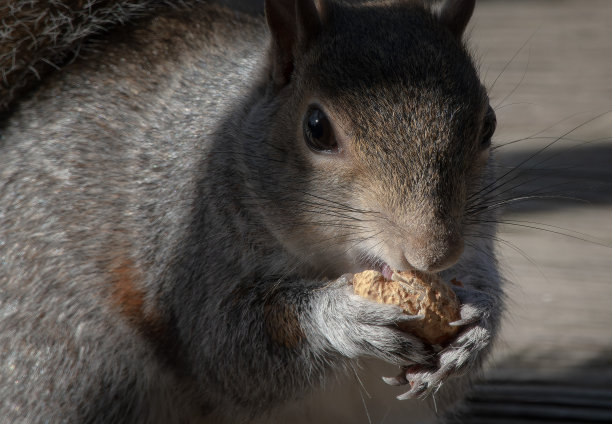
(357, 327)
(460, 356)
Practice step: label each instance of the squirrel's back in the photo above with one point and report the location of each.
(98, 172)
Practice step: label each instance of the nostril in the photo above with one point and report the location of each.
(426, 254)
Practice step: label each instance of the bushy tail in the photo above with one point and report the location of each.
(40, 36)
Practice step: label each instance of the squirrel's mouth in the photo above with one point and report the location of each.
(386, 271)
(380, 266)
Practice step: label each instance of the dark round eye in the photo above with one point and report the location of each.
(318, 131)
(488, 128)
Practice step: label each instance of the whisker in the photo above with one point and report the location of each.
(338, 204)
(532, 138)
(565, 232)
(570, 149)
(494, 185)
(536, 194)
(498, 108)
(495, 199)
(505, 68)
(519, 83)
(478, 248)
(526, 198)
(537, 134)
(516, 249)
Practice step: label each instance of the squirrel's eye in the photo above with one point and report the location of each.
(488, 128)
(318, 132)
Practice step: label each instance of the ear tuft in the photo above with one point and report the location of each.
(455, 15)
(293, 25)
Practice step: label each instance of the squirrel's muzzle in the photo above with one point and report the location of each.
(433, 249)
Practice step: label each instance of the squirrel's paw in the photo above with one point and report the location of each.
(357, 327)
(461, 355)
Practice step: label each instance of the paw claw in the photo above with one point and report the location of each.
(455, 358)
(400, 380)
(462, 322)
(405, 396)
(414, 392)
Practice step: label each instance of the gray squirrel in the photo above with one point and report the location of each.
(182, 206)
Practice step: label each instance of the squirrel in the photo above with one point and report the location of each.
(184, 202)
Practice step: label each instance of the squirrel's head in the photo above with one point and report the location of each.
(379, 132)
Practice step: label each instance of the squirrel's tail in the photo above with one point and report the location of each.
(40, 36)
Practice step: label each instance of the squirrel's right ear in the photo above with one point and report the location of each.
(455, 14)
(293, 25)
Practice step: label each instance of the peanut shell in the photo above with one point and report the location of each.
(417, 293)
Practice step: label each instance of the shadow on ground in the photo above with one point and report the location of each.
(519, 393)
(568, 177)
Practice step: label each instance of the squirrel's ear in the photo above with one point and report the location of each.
(293, 24)
(456, 14)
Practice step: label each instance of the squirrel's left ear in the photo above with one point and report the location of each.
(293, 25)
(455, 14)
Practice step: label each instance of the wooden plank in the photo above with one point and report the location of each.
(520, 403)
(554, 361)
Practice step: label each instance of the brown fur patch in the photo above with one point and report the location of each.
(282, 324)
(129, 298)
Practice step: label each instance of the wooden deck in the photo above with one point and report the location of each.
(554, 361)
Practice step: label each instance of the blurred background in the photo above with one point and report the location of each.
(549, 68)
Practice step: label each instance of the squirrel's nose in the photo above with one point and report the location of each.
(433, 254)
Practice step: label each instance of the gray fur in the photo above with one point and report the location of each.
(171, 249)
(38, 38)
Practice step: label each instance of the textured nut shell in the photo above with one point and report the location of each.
(417, 294)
